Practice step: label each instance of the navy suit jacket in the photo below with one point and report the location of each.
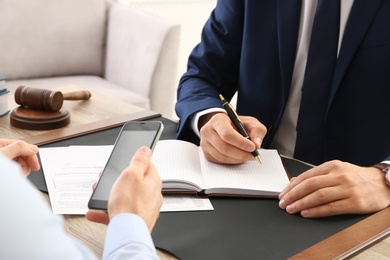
(250, 47)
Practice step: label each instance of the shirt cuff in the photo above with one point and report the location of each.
(128, 232)
(195, 118)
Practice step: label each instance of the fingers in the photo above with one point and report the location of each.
(226, 131)
(141, 159)
(335, 188)
(21, 152)
(255, 129)
(217, 141)
(19, 148)
(95, 183)
(222, 143)
(316, 171)
(136, 170)
(312, 188)
(317, 195)
(97, 216)
(219, 151)
(137, 190)
(333, 208)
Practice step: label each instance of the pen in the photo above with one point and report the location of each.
(237, 123)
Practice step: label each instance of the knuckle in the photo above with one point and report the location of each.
(203, 143)
(209, 157)
(205, 131)
(219, 158)
(321, 195)
(19, 144)
(335, 165)
(308, 184)
(333, 207)
(144, 160)
(225, 134)
(361, 205)
(290, 196)
(300, 204)
(263, 128)
(347, 178)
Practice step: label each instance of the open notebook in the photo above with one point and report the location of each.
(184, 169)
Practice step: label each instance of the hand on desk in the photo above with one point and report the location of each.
(23, 153)
(332, 188)
(222, 143)
(137, 190)
(335, 188)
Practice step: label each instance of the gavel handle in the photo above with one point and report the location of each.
(77, 95)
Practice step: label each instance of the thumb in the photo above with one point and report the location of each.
(256, 130)
(97, 216)
(141, 159)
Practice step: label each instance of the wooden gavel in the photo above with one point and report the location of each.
(45, 99)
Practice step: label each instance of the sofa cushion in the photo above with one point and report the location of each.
(44, 38)
(91, 83)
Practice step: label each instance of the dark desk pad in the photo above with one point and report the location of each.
(238, 228)
(242, 228)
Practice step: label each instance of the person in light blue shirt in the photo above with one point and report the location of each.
(30, 231)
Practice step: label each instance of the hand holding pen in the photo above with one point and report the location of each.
(238, 124)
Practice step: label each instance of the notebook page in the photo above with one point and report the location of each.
(177, 160)
(268, 176)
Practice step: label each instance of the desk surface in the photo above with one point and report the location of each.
(97, 108)
(103, 108)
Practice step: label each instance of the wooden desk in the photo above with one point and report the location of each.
(378, 251)
(96, 109)
(100, 108)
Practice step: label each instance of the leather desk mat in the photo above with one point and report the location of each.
(244, 228)
(238, 228)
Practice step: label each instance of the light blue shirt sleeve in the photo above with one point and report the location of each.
(127, 235)
(29, 230)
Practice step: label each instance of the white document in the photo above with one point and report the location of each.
(71, 171)
(185, 203)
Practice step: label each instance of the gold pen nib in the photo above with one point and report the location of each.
(259, 159)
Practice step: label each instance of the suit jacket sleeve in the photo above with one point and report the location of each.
(212, 65)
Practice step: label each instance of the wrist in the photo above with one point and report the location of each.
(195, 118)
(205, 118)
(385, 169)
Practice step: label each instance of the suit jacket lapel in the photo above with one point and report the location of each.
(361, 15)
(288, 17)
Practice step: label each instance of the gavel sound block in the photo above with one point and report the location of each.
(41, 109)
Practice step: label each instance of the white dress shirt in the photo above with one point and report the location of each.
(285, 137)
(30, 230)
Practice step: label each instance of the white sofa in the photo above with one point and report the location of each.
(94, 44)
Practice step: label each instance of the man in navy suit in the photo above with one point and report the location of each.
(259, 50)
